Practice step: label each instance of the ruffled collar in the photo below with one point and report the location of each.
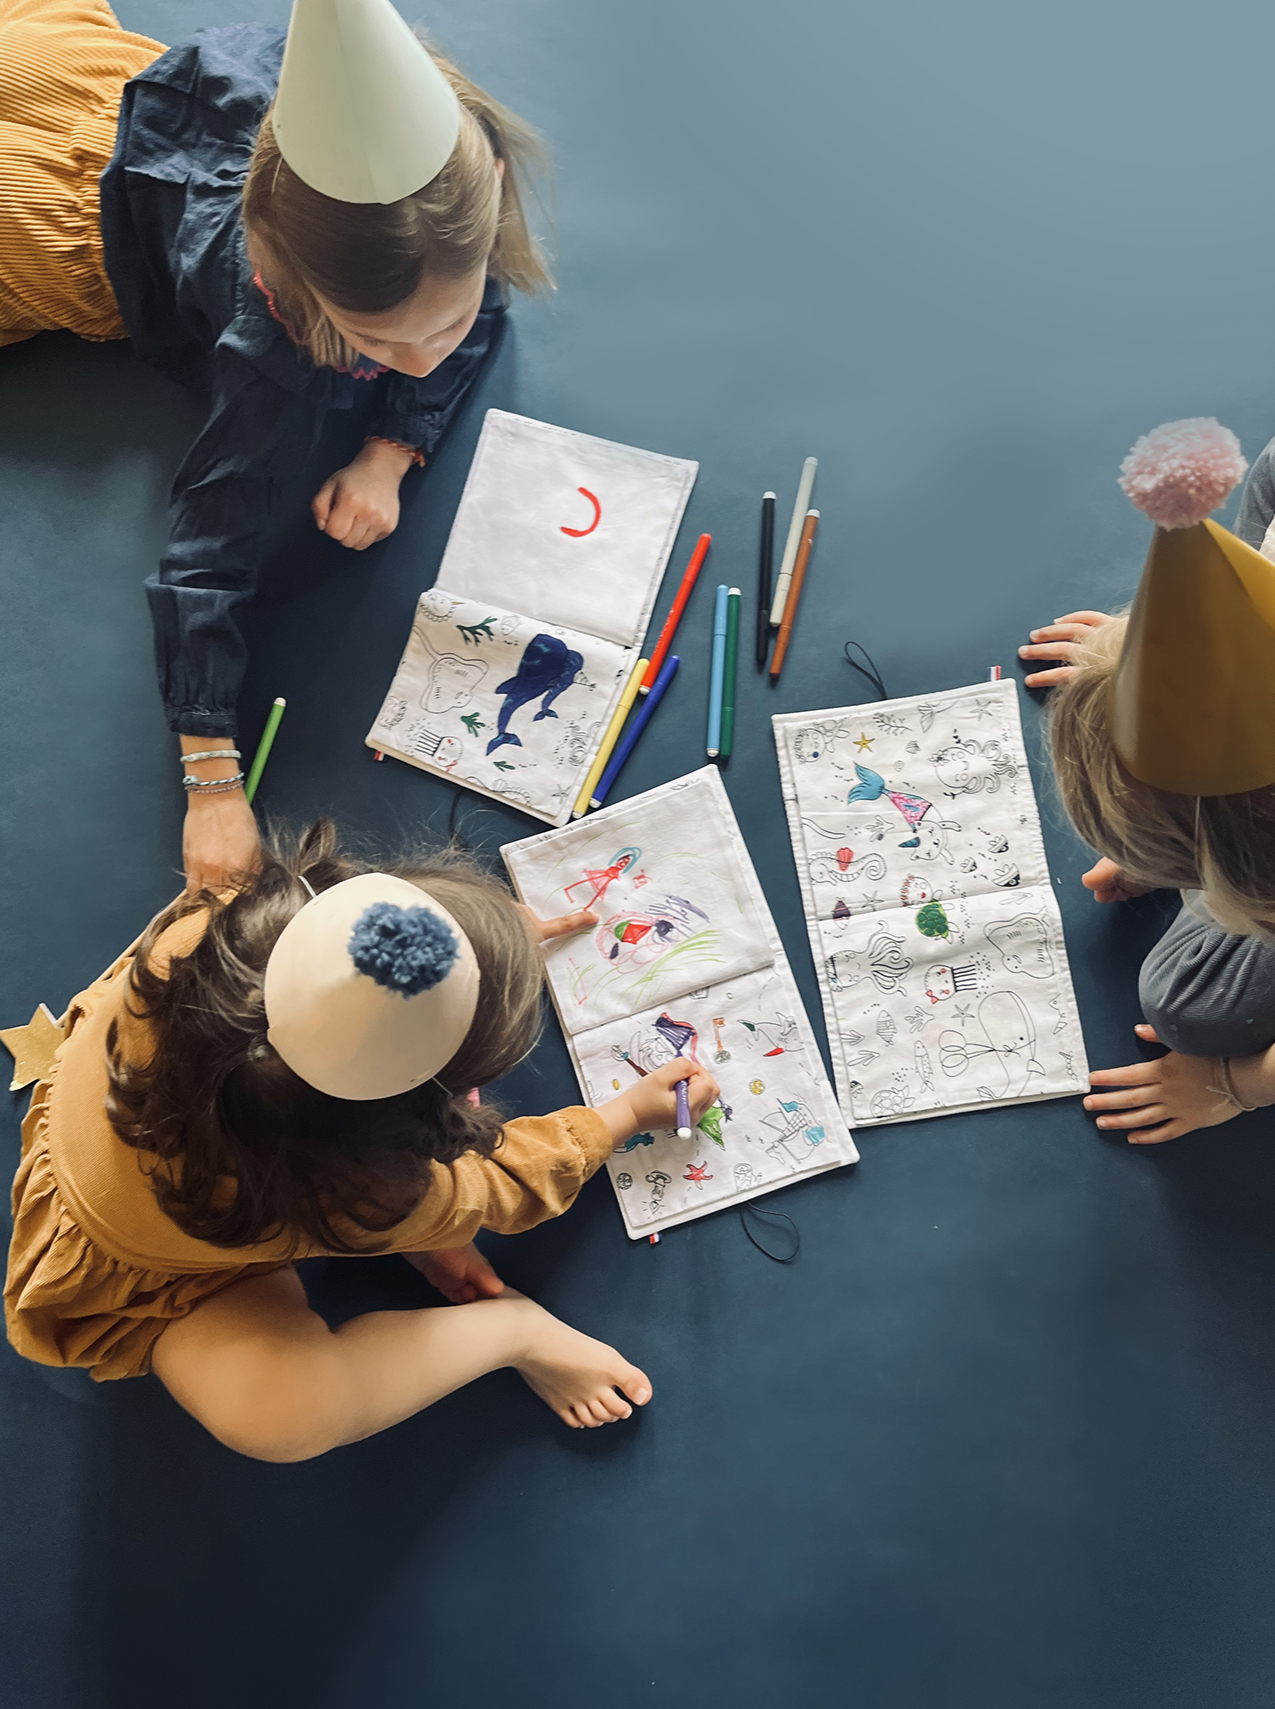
(362, 369)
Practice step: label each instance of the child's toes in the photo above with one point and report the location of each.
(636, 1384)
(616, 1405)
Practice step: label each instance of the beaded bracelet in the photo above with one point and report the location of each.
(413, 451)
(213, 785)
(212, 754)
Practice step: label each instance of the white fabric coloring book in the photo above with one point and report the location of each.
(518, 655)
(684, 961)
(933, 923)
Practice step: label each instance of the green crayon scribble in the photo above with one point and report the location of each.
(931, 921)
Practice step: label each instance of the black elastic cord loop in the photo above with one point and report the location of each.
(749, 1209)
(869, 670)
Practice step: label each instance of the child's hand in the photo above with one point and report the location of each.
(219, 839)
(543, 931)
(651, 1101)
(1061, 639)
(1162, 1099)
(359, 504)
(1109, 884)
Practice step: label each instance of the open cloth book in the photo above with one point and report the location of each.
(936, 936)
(519, 653)
(684, 961)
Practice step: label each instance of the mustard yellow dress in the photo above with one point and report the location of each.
(97, 1271)
(63, 64)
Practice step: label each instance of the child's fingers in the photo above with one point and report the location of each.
(563, 925)
(1050, 679)
(321, 504)
(1144, 1115)
(1049, 650)
(1126, 1098)
(1091, 618)
(1158, 1135)
(1053, 633)
(1136, 1074)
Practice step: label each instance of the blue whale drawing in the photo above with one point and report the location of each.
(548, 666)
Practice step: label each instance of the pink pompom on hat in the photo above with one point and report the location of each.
(1192, 706)
(1181, 472)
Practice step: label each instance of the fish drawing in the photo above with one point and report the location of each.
(548, 667)
(886, 1028)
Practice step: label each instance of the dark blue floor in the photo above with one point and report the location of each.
(1002, 1437)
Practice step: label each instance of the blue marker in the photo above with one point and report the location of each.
(629, 739)
(717, 673)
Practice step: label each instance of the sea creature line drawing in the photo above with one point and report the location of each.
(840, 910)
(871, 787)
(1023, 945)
(746, 1177)
(476, 632)
(914, 890)
(721, 1054)
(931, 921)
(1006, 1048)
(1060, 1024)
(943, 981)
(813, 741)
(845, 863)
(658, 1182)
(436, 607)
(392, 713)
(602, 878)
(894, 1099)
(795, 1131)
(547, 669)
(697, 1173)
(450, 681)
(442, 751)
(967, 767)
(887, 1031)
(624, 1180)
(918, 1020)
(883, 962)
(924, 1067)
(778, 1035)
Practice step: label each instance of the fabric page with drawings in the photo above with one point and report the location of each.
(934, 928)
(565, 527)
(500, 703)
(685, 959)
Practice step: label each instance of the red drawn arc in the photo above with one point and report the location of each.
(579, 533)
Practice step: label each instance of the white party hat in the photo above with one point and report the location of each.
(370, 989)
(362, 113)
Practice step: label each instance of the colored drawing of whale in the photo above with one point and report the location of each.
(548, 667)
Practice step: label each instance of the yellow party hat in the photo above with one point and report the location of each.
(1192, 705)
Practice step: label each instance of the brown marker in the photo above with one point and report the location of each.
(794, 593)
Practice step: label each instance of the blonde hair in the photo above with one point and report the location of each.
(1223, 845)
(370, 257)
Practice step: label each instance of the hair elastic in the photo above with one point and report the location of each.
(314, 895)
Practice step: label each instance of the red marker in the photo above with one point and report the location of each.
(675, 616)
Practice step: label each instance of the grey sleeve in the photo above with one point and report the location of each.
(1257, 501)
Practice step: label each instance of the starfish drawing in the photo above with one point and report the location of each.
(871, 899)
(697, 1172)
(864, 743)
(962, 1014)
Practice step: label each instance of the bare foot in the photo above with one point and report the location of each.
(577, 1376)
(461, 1273)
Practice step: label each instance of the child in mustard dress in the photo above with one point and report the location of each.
(284, 1071)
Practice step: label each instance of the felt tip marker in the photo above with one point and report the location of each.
(675, 616)
(628, 741)
(263, 749)
(609, 740)
(765, 569)
(730, 673)
(684, 1128)
(794, 594)
(716, 670)
(804, 488)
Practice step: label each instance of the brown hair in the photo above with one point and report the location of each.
(245, 1150)
(1223, 845)
(370, 257)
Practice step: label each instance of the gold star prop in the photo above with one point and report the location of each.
(32, 1047)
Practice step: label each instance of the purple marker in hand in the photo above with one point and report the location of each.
(684, 1129)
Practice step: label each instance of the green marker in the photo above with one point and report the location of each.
(263, 749)
(729, 670)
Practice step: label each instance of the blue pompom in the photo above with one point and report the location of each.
(405, 949)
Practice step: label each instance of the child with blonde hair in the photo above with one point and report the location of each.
(327, 227)
(285, 1071)
(1162, 728)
